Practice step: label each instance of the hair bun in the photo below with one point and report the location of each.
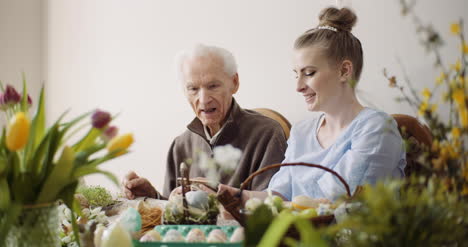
(342, 19)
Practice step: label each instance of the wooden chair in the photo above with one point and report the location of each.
(277, 117)
(417, 135)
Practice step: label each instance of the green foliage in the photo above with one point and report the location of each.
(42, 168)
(289, 228)
(97, 196)
(419, 213)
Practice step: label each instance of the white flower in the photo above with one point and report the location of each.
(66, 239)
(213, 176)
(205, 162)
(227, 157)
(86, 212)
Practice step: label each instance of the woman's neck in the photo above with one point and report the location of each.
(342, 115)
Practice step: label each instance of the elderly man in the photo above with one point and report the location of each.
(209, 76)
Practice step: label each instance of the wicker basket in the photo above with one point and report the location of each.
(233, 202)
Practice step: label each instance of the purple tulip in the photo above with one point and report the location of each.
(11, 96)
(100, 119)
(29, 100)
(110, 133)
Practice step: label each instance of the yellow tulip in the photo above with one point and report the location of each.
(120, 143)
(18, 132)
(455, 28)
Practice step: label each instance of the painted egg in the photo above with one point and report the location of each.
(173, 236)
(216, 236)
(151, 236)
(196, 236)
(197, 199)
(237, 235)
(303, 202)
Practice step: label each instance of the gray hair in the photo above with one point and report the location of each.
(201, 50)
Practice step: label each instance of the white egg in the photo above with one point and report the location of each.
(303, 202)
(116, 235)
(237, 235)
(216, 236)
(151, 236)
(197, 199)
(196, 236)
(98, 235)
(173, 236)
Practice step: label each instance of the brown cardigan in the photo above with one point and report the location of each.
(260, 138)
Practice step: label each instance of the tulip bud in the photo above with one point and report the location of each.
(100, 119)
(11, 96)
(120, 143)
(110, 133)
(29, 100)
(18, 132)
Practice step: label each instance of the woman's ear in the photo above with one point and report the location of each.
(346, 71)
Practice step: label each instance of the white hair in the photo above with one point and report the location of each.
(201, 50)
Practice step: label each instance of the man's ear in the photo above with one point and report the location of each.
(346, 71)
(235, 83)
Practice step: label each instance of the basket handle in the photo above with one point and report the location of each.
(249, 179)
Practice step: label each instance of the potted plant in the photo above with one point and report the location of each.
(40, 166)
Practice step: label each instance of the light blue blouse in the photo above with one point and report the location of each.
(370, 148)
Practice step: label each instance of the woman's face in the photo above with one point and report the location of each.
(318, 80)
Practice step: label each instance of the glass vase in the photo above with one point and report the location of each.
(36, 226)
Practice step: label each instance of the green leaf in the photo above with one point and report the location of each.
(59, 177)
(87, 170)
(88, 140)
(24, 100)
(36, 131)
(45, 167)
(309, 236)
(257, 224)
(277, 229)
(22, 189)
(83, 156)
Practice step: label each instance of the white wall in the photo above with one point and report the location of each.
(117, 55)
(21, 44)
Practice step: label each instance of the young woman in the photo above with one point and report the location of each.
(361, 144)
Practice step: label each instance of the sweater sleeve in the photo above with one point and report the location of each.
(271, 148)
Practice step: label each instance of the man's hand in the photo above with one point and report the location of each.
(134, 186)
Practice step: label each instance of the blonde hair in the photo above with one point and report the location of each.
(334, 34)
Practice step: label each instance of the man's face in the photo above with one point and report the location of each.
(209, 89)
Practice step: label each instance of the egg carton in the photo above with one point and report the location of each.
(184, 230)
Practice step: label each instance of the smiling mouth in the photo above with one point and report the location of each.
(310, 97)
(208, 110)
